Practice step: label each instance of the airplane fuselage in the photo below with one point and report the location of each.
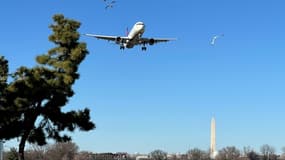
(135, 34)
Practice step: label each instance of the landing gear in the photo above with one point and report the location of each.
(144, 47)
(122, 47)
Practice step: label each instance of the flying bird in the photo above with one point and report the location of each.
(213, 41)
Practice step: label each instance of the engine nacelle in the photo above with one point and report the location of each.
(151, 41)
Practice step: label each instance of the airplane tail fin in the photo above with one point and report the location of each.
(127, 31)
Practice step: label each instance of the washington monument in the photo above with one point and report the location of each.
(213, 152)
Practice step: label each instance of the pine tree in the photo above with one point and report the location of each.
(37, 95)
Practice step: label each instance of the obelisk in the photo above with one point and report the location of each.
(213, 139)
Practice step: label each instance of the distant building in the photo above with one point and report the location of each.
(183, 157)
(177, 156)
(110, 156)
(142, 157)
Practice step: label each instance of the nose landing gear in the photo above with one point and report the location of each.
(122, 47)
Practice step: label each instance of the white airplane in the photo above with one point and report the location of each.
(133, 38)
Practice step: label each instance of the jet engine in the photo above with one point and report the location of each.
(151, 41)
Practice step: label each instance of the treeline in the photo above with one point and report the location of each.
(58, 151)
(70, 151)
(267, 152)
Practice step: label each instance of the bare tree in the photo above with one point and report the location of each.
(247, 150)
(268, 152)
(158, 155)
(252, 156)
(283, 150)
(228, 153)
(36, 152)
(83, 156)
(282, 155)
(11, 155)
(197, 154)
(62, 151)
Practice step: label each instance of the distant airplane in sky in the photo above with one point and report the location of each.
(110, 4)
(213, 41)
(133, 38)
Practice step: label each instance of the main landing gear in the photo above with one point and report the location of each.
(144, 48)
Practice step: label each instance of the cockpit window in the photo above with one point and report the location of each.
(140, 23)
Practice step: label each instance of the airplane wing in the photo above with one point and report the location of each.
(152, 41)
(108, 38)
(126, 42)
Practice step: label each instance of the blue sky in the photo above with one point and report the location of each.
(164, 98)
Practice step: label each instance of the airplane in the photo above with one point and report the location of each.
(109, 4)
(134, 37)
